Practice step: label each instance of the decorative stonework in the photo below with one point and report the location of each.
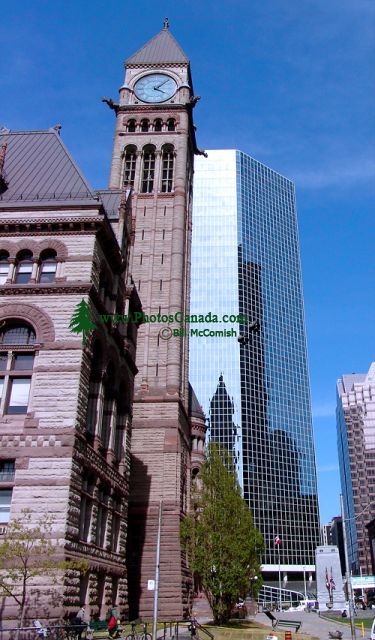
(39, 319)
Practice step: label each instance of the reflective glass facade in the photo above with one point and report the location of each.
(245, 260)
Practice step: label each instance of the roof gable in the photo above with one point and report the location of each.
(162, 48)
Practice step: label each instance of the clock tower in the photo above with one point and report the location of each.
(153, 154)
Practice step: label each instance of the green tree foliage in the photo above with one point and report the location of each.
(81, 321)
(26, 552)
(219, 536)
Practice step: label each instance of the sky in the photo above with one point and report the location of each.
(290, 82)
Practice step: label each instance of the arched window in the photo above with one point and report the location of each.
(16, 366)
(171, 124)
(131, 126)
(24, 267)
(130, 160)
(158, 125)
(148, 169)
(145, 125)
(48, 266)
(4, 266)
(167, 168)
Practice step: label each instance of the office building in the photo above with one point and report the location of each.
(245, 260)
(356, 446)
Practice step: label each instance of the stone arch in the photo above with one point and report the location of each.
(57, 245)
(26, 245)
(8, 247)
(39, 320)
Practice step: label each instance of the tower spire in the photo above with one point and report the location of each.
(166, 24)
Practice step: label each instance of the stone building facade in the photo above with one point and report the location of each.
(356, 446)
(153, 153)
(66, 398)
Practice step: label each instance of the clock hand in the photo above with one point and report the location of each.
(161, 84)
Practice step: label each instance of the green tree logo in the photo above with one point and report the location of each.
(81, 321)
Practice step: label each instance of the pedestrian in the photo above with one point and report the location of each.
(112, 625)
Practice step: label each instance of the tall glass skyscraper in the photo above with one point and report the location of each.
(254, 386)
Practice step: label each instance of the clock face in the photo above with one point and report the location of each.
(156, 87)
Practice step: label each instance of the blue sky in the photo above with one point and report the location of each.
(288, 82)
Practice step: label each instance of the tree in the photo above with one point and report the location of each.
(26, 552)
(81, 321)
(219, 536)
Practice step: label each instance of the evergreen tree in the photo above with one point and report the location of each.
(219, 536)
(81, 321)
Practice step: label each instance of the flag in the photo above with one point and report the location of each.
(278, 540)
(332, 582)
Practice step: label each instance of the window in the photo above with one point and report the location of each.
(167, 169)
(158, 125)
(130, 159)
(24, 267)
(5, 502)
(131, 126)
(116, 521)
(19, 391)
(7, 470)
(16, 366)
(17, 334)
(85, 511)
(4, 267)
(109, 407)
(48, 266)
(102, 517)
(95, 399)
(171, 125)
(145, 125)
(148, 170)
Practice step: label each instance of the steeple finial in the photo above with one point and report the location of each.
(166, 24)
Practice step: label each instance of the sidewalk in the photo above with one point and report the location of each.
(312, 624)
